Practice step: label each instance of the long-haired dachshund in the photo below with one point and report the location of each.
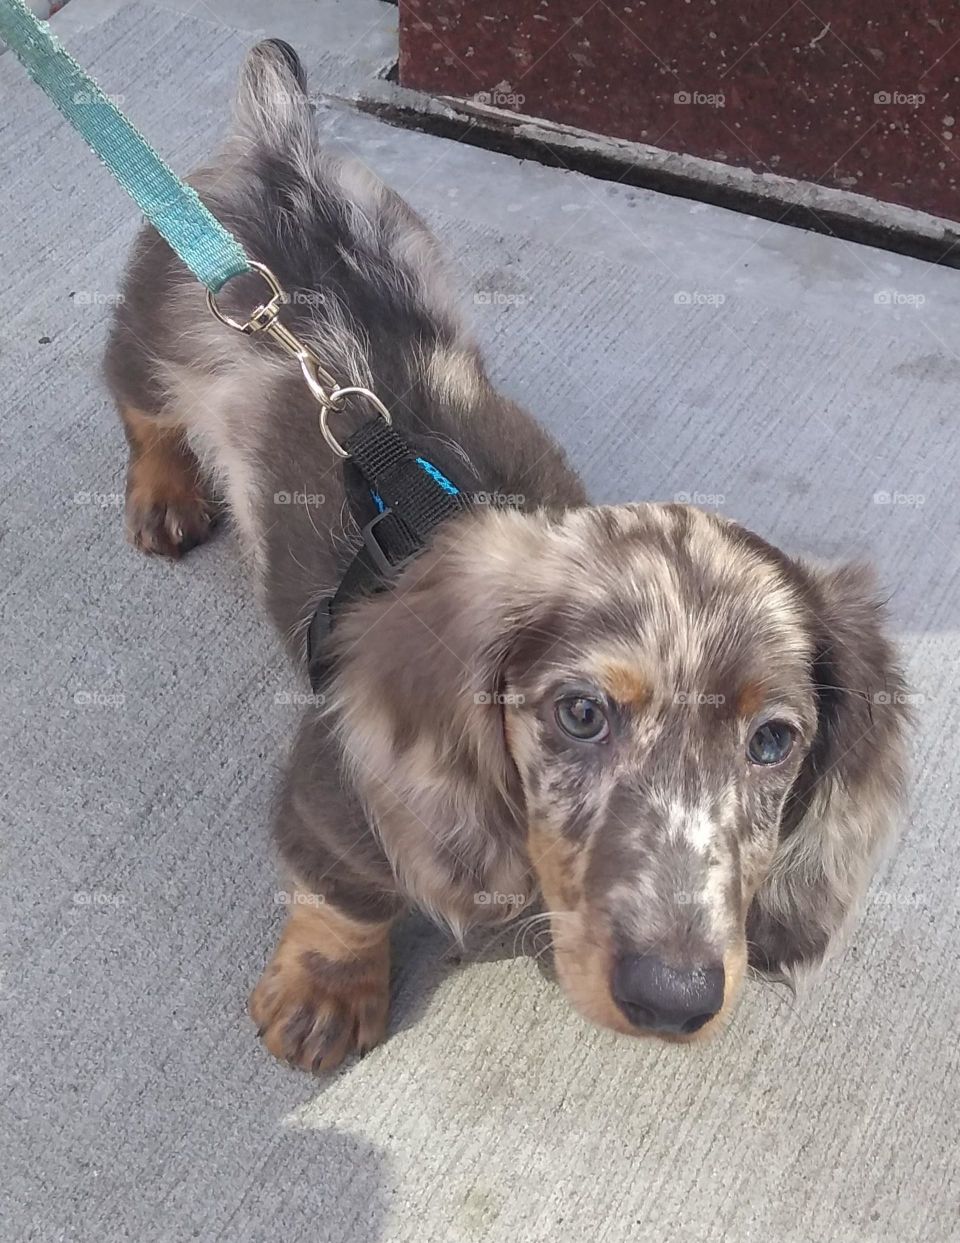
(686, 744)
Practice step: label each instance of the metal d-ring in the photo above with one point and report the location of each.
(335, 403)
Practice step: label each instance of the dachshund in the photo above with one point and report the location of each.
(688, 746)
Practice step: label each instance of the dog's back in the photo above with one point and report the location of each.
(370, 294)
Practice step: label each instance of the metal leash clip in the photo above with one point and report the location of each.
(323, 386)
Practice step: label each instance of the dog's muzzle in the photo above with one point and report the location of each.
(658, 997)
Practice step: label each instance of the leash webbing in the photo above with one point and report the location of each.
(209, 250)
(410, 494)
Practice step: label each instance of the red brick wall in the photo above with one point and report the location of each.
(858, 94)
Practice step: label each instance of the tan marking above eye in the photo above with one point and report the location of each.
(626, 684)
(750, 699)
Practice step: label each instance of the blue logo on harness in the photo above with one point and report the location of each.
(436, 475)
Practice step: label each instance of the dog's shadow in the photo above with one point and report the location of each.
(425, 956)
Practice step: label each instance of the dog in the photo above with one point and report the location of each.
(687, 745)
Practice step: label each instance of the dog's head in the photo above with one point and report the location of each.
(696, 740)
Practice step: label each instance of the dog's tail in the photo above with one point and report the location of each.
(271, 104)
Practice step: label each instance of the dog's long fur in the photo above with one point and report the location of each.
(434, 772)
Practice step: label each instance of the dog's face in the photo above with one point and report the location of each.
(700, 738)
(658, 731)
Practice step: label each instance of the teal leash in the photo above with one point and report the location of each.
(214, 255)
(209, 250)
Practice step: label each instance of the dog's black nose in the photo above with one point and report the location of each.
(663, 998)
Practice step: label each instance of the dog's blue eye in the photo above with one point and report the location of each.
(583, 719)
(771, 743)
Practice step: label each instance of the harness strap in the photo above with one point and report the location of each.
(419, 495)
(410, 497)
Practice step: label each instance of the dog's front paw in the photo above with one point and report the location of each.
(312, 1010)
(168, 509)
(168, 526)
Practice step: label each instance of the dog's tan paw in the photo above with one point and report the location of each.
(168, 526)
(168, 509)
(312, 1011)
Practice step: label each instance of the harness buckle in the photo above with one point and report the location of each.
(378, 556)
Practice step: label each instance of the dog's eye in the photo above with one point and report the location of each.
(771, 743)
(583, 719)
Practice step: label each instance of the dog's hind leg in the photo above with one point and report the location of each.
(168, 509)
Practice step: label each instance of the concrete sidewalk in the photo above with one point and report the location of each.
(805, 386)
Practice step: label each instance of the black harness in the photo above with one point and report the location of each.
(397, 498)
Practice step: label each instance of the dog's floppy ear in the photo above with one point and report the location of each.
(415, 701)
(845, 802)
